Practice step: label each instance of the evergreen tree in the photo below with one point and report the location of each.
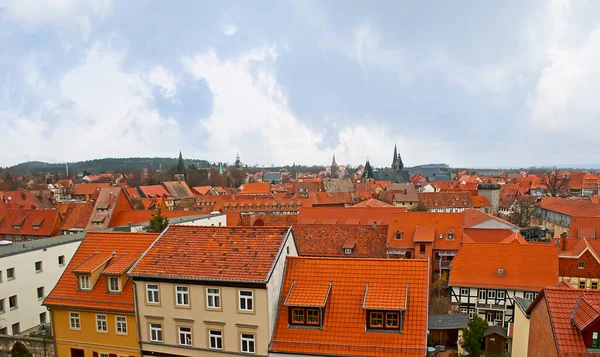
(473, 336)
(157, 223)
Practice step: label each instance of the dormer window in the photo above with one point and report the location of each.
(385, 320)
(114, 285)
(398, 235)
(450, 234)
(305, 316)
(84, 282)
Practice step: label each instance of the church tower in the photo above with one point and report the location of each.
(397, 164)
(334, 168)
(368, 173)
(181, 172)
(238, 162)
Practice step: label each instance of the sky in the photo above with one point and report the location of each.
(469, 84)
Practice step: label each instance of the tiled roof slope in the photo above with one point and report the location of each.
(178, 189)
(433, 200)
(578, 208)
(81, 189)
(491, 236)
(372, 203)
(154, 191)
(343, 215)
(480, 201)
(34, 222)
(437, 223)
(526, 266)
(344, 321)
(330, 198)
(561, 304)
(77, 215)
(329, 240)
(474, 217)
(66, 293)
(124, 218)
(213, 253)
(254, 188)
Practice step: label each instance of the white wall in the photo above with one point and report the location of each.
(274, 284)
(27, 280)
(212, 220)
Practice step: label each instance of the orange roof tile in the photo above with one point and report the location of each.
(372, 203)
(386, 297)
(331, 239)
(474, 217)
(308, 294)
(344, 321)
(578, 208)
(254, 188)
(92, 263)
(480, 201)
(433, 200)
(66, 292)
(561, 303)
(343, 215)
(154, 191)
(491, 236)
(29, 222)
(420, 224)
(82, 189)
(213, 253)
(525, 266)
(125, 218)
(121, 264)
(77, 215)
(201, 190)
(585, 313)
(330, 198)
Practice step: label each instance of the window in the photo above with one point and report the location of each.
(43, 318)
(305, 316)
(581, 284)
(12, 302)
(155, 333)
(152, 294)
(422, 248)
(182, 296)
(450, 236)
(595, 339)
(75, 323)
(16, 329)
(84, 282)
(38, 267)
(580, 265)
(213, 298)
(3, 331)
(2, 302)
(594, 285)
(103, 354)
(348, 251)
(384, 320)
(40, 292)
(101, 325)
(215, 339)
(482, 294)
(464, 291)
(398, 235)
(246, 300)
(491, 294)
(312, 317)
(61, 260)
(0, 276)
(185, 336)
(121, 324)
(528, 295)
(247, 343)
(113, 284)
(297, 316)
(10, 273)
(500, 294)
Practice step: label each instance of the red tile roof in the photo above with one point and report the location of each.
(308, 294)
(343, 215)
(386, 296)
(124, 218)
(77, 215)
(474, 217)
(372, 203)
(92, 263)
(561, 304)
(480, 201)
(578, 208)
(425, 226)
(155, 191)
(524, 266)
(89, 189)
(344, 321)
(331, 239)
(120, 264)
(254, 188)
(433, 200)
(492, 236)
(585, 313)
(66, 292)
(201, 190)
(213, 253)
(330, 198)
(30, 222)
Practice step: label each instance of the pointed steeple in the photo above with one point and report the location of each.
(238, 162)
(395, 160)
(180, 165)
(368, 174)
(220, 168)
(397, 164)
(334, 168)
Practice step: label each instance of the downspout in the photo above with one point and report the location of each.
(137, 317)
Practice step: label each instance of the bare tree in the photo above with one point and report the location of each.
(555, 182)
(522, 211)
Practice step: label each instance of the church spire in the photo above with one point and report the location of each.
(397, 164)
(368, 174)
(180, 165)
(334, 168)
(395, 160)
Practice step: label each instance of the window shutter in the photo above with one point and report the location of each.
(95, 354)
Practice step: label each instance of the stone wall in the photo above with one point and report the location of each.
(34, 345)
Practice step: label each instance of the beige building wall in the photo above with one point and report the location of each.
(520, 341)
(201, 319)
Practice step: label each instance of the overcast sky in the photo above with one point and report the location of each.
(467, 83)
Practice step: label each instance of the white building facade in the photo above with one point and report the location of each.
(28, 272)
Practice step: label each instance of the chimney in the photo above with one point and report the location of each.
(563, 241)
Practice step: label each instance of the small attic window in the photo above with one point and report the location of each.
(84, 282)
(348, 251)
(441, 236)
(581, 265)
(450, 236)
(398, 235)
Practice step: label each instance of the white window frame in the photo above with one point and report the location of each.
(74, 321)
(121, 325)
(186, 335)
(41, 269)
(491, 294)
(155, 294)
(155, 332)
(529, 293)
(215, 336)
(101, 323)
(467, 293)
(482, 292)
(245, 343)
(37, 291)
(245, 299)
(110, 285)
(84, 282)
(213, 299)
(183, 294)
(500, 294)
(14, 273)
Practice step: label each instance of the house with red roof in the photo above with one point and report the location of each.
(445, 201)
(19, 225)
(92, 306)
(352, 307)
(579, 264)
(76, 217)
(347, 215)
(554, 214)
(222, 301)
(341, 240)
(85, 191)
(488, 274)
(564, 322)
